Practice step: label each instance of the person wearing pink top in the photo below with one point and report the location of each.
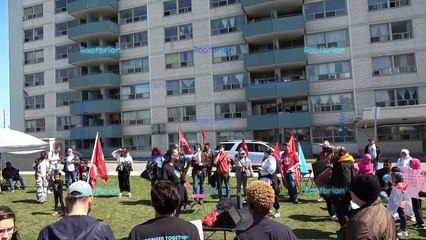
(417, 202)
(366, 167)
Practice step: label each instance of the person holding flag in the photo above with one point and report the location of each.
(98, 162)
(289, 165)
(124, 167)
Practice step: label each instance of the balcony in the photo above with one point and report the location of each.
(100, 80)
(281, 28)
(94, 56)
(108, 131)
(407, 114)
(82, 8)
(105, 30)
(97, 106)
(282, 120)
(280, 89)
(269, 60)
(253, 7)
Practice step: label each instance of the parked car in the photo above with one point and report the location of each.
(256, 150)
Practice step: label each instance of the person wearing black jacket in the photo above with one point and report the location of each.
(341, 178)
(173, 174)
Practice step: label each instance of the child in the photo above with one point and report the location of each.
(366, 167)
(57, 192)
(83, 171)
(399, 184)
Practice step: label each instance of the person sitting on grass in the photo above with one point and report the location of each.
(165, 225)
(366, 167)
(77, 224)
(260, 199)
(12, 174)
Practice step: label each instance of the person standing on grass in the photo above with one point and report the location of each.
(341, 178)
(404, 161)
(222, 161)
(400, 185)
(70, 167)
(77, 224)
(83, 171)
(54, 159)
(374, 151)
(165, 198)
(209, 155)
(124, 167)
(41, 168)
(267, 173)
(172, 174)
(289, 163)
(369, 218)
(260, 199)
(199, 171)
(57, 194)
(417, 202)
(242, 167)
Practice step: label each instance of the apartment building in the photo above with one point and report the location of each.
(137, 71)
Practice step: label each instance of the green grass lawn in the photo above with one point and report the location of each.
(308, 220)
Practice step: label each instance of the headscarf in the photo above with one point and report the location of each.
(416, 164)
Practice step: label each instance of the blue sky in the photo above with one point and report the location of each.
(4, 61)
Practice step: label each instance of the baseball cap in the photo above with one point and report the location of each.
(79, 189)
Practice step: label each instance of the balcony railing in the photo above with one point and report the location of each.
(395, 70)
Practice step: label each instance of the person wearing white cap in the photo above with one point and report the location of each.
(77, 224)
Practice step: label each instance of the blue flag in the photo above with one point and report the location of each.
(302, 160)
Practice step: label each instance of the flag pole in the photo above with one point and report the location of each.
(93, 155)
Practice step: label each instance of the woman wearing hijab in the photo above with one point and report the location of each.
(417, 202)
(404, 160)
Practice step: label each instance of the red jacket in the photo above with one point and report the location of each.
(222, 164)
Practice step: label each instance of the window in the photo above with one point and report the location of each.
(34, 79)
(63, 51)
(133, 15)
(63, 75)
(35, 11)
(175, 33)
(138, 143)
(396, 97)
(230, 110)
(135, 66)
(191, 138)
(228, 53)
(227, 25)
(177, 6)
(219, 3)
(34, 102)
(399, 133)
(232, 135)
(61, 29)
(388, 65)
(137, 117)
(383, 4)
(391, 31)
(178, 87)
(33, 34)
(135, 91)
(325, 9)
(134, 40)
(333, 134)
(230, 81)
(36, 56)
(178, 60)
(332, 103)
(61, 6)
(328, 39)
(300, 134)
(35, 125)
(67, 122)
(329, 71)
(181, 114)
(67, 98)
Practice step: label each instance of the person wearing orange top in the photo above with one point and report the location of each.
(341, 178)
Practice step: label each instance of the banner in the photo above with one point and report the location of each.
(415, 181)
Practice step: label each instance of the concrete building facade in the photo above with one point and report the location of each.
(137, 71)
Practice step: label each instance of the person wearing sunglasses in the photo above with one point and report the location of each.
(8, 229)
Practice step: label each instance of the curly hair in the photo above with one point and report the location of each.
(260, 197)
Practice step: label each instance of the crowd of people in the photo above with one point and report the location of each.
(356, 208)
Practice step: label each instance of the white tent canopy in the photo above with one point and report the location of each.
(15, 141)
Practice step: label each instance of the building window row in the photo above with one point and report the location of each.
(34, 102)
(219, 3)
(35, 125)
(67, 122)
(230, 81)
(141, 117)
(133, 15)
(61, 29)
(180, 87)
(176, 33)
(31, 12)
(385, 32)
(135, 66)
(182, 114)
(175, 7)
(329, 71)
(134, 40)
(67, 98)
(227, 25)
(34, 79)
(33, 34)
(387, 65)
(396, 97)
(63, 75)
(231, 110)
(332, 102)
(399, 133)
(374, 5)
(35, 56)
(136, 91)
(180, 59)
(325, 9)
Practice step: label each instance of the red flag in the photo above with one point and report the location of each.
(292, 144)
(277, 157)
(186, 148)
(244, 146)
(98, 161)
(204, 135)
